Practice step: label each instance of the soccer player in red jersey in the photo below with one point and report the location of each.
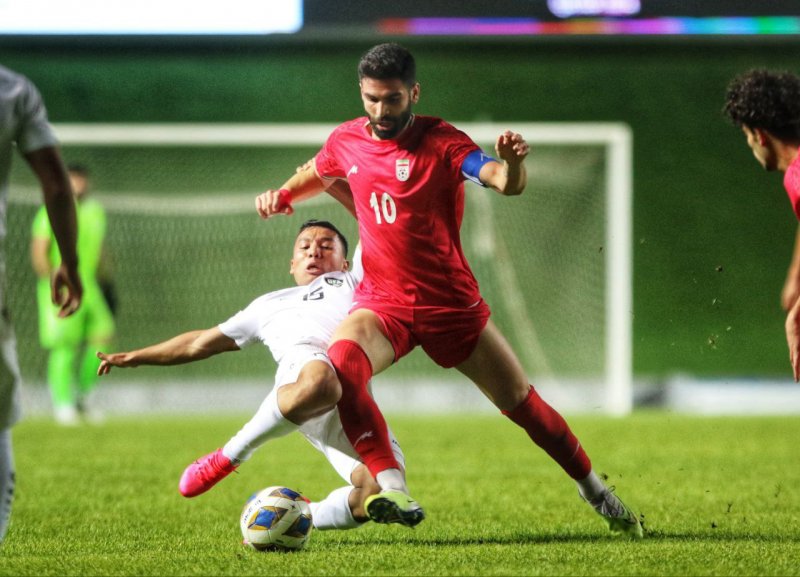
(766, 105)
(407, 175)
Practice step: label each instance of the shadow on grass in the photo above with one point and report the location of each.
(594, 539)
(720, 537)
(532, 539)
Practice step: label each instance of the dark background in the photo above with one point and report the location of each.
(713, 233)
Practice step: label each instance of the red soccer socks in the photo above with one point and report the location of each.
(362, 421)
(550, 431)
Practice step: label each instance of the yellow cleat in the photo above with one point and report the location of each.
(394, 507)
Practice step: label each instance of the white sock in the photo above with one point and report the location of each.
(6, 481)
(591, 487)
(392, 480)
(333, 512)
(268, 423)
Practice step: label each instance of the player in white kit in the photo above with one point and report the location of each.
(296, 324)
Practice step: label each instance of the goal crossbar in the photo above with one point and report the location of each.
(615, 137)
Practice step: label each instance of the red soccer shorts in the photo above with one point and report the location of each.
(447, 335)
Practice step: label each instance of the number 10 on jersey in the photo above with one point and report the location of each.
(384, 207)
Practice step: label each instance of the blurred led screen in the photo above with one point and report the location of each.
(157, 17)
(554, 17)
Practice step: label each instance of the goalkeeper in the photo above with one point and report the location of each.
(296, 324)
(72, 341)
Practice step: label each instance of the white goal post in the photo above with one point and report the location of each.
(616, 138)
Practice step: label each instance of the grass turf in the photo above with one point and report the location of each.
(719, 497)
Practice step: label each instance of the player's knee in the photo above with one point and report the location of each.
(321, 388)
(329, 391)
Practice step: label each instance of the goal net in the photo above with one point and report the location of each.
(188, 251)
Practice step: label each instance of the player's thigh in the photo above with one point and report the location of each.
(99, 323)
(316, 382)
(316, 371)
(10, 406)
(48, 314)
(364, 327)
(495, 369)
(70, 331)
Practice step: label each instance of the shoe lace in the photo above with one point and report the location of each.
(207, 468)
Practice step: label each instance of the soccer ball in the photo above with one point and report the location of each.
(276, 518)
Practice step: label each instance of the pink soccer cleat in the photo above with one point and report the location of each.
(204, 473)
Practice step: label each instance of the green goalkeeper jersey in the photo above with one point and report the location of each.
(91, 234)
(93, 320)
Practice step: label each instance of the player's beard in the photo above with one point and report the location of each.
(399, 123)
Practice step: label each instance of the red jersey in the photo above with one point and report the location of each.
(409, 199)
(791, 181)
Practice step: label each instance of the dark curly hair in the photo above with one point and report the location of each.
(386, 62)
(766, 100)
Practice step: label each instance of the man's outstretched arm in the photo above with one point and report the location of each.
(184, 348)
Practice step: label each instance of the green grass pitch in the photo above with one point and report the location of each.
(720, 496)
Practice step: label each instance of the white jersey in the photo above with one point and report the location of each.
(297, 324)
(23, 121)
(296, 316)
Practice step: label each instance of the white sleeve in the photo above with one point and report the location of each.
(357, 270)
(243, 327)
(35, 130)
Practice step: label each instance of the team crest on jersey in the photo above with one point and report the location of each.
(337, 282)
(402, 169)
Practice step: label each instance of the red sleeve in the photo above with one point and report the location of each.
(326, 161)
(791, 181)
(456, 145)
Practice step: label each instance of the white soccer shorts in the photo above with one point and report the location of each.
(325, 432)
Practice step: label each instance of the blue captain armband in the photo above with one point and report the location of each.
(471, 167)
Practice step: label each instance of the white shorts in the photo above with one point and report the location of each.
(325, 432)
